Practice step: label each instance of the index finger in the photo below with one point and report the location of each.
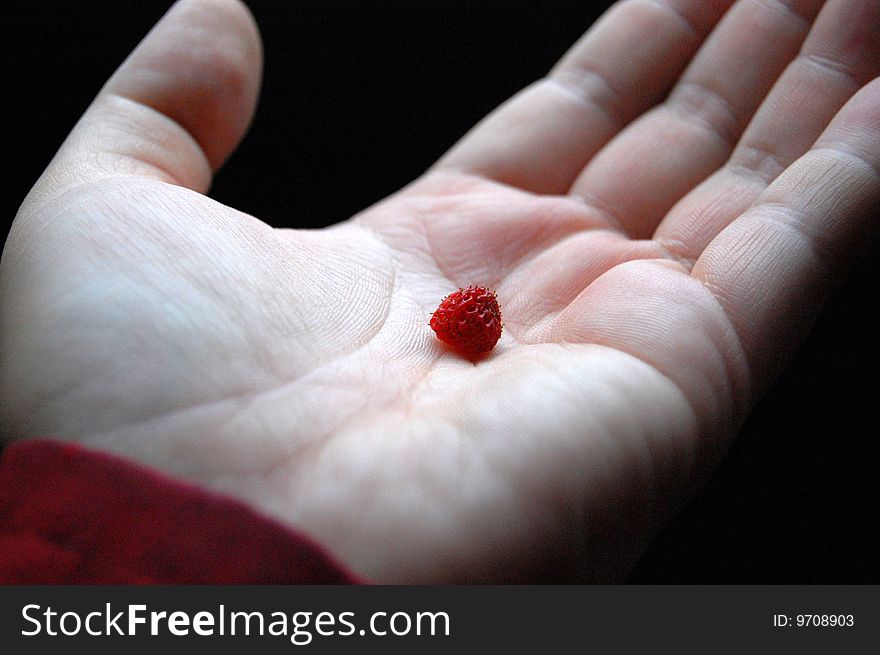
(540, 139)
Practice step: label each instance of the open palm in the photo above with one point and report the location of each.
(661, 217)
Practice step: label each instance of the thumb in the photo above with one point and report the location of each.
(177, 106)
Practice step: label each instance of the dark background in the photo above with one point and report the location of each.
(359, 97)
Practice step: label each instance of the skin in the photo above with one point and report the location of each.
(661, 216)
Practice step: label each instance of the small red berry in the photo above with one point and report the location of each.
(469, 320)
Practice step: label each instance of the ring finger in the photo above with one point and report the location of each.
(641, 174)
(841, 54)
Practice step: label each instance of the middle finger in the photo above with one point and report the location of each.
(640, 175)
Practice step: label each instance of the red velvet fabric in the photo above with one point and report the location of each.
(69, 515)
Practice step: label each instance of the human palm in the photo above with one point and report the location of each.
(652, 279)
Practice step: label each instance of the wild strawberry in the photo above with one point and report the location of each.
(469, 320)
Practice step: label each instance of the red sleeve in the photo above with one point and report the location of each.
(69, 515)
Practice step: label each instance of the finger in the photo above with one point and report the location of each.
(771, 268)
(841, 54)
(176, 108)
(541, 138)
(640, 175)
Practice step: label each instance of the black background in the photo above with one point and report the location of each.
(359, 97)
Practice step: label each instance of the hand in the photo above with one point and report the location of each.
(661, 216)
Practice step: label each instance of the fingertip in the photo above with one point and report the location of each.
(200, 66)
